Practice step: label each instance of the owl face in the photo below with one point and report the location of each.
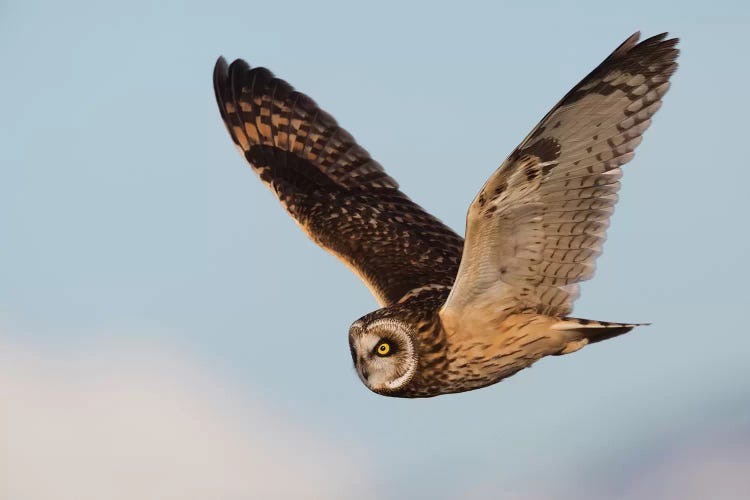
(383, 354)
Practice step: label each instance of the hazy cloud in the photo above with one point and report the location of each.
(703, 469)
(713, 464)
(135, 422)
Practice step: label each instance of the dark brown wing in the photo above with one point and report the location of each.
(342, 198)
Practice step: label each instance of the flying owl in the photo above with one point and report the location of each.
(459, 314)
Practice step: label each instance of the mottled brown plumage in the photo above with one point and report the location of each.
(339, 195)
(458, 315)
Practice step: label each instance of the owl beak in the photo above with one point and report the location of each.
(362, 368)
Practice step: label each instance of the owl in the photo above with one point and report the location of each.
(459, 314)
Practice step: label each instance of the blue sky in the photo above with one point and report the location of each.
(132, 226)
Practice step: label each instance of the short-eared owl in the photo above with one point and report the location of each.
(459, 314)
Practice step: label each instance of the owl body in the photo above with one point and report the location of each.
(449, 359)
(459, 313)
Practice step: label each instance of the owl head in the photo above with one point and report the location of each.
(383, 352)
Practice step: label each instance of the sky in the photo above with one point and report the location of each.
(167, 331)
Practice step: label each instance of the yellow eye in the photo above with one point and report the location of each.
(383, 349)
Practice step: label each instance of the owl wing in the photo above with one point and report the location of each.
(537, 226)
(340, 197)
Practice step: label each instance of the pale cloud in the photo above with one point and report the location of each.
(134, 421)
(704, 469)
(709, 465)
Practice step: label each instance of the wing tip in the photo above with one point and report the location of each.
(658, 42)
(628, 44)
(220, 67)
(656, 54)
(220, 78)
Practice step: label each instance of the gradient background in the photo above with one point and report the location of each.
(166, 331)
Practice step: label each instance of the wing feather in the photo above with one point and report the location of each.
(336, 192)
(537, 226)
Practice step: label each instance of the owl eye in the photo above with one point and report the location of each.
(383, 349)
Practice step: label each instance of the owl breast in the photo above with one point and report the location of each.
(452, 361)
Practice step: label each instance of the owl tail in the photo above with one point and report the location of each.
(581, 332)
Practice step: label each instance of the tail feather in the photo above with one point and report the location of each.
(582, 332)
